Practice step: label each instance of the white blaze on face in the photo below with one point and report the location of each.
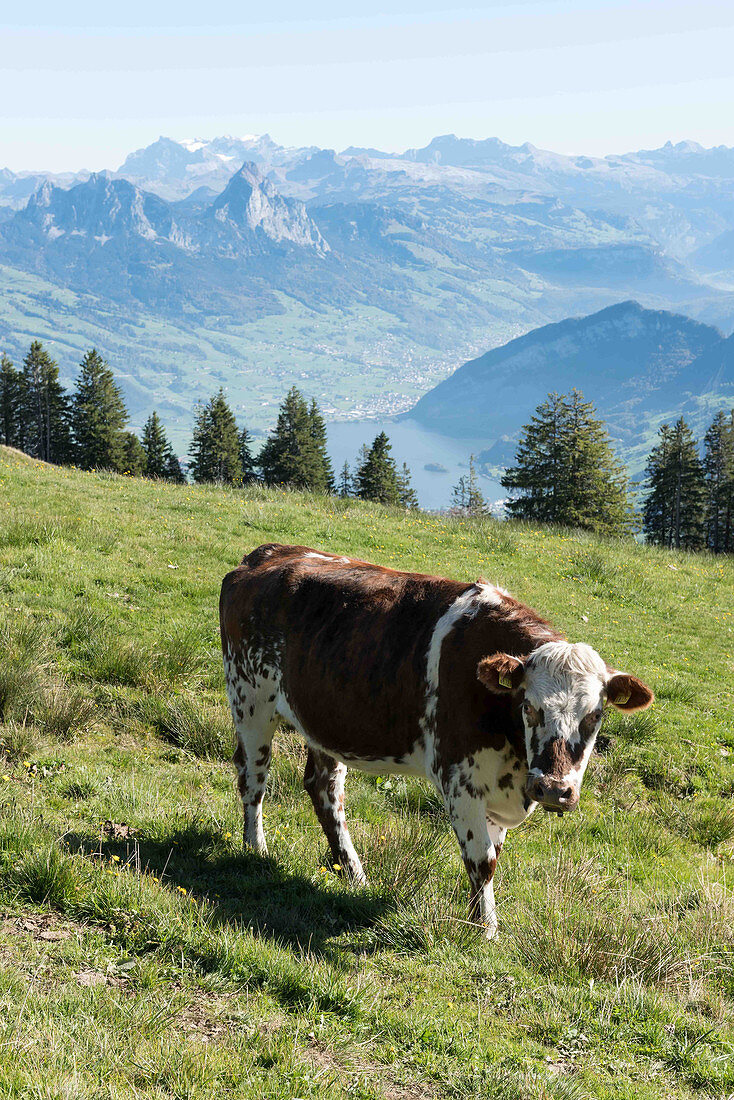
(562, 711)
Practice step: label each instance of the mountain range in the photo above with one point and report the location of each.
(364, 276)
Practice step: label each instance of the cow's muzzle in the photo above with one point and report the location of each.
(552, 795)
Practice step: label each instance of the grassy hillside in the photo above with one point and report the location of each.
(144, 955)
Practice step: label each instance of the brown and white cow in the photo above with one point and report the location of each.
(401, 672)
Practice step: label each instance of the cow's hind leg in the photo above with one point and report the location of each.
(324, 780)
(252, 761)
(255, 722)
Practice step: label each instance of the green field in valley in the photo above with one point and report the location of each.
(143, 954)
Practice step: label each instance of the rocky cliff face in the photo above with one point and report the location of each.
(250, 205)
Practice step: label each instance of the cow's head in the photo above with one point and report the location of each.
(563, 688)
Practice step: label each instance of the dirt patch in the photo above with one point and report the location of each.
(40, 926)
(325, 1058)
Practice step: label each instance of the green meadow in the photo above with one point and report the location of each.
(143, 954)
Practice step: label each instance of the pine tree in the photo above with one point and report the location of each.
(160, 461)
(566, 472)
(11, 404)
(98, 417)
(376, 478)
(247, 460)
(460, 496)
(45, 412)
(134, 458)
(657, 513)
(674, 510)
(323, 473)
(476, 505)
(215, 447)
(344, 485)
(407, 495)
(718, 466)
(295, 453)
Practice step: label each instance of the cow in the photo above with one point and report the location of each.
(394, 672)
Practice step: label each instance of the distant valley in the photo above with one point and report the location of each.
(368, 277)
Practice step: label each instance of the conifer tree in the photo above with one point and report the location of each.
(407, 495)
(323, 475)
(565, 470)
(247, 460)
(160, 461)
(376, 478)
(673, 513)
(45, 411)
(11, 404)
(718, 467)
(657, 512)
(133, 459)
(344, 485)
(460, 496)
(98, 417)
(215, 447)
(295, 452)
(467, 498)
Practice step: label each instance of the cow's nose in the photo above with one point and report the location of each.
(551, 794)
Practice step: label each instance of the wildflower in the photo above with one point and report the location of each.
(181, 889)
(227, 836)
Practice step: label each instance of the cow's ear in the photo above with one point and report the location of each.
(627, 692)
(500, 673)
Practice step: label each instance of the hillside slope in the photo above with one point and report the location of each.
(637, 365)
(141, 947)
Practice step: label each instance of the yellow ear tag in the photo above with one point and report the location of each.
(504, 681)
(622, 699)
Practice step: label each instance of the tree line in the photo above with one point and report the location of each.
(294, 454)
(564, 472)
(86, 428)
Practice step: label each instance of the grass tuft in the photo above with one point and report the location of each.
(200, 729)
(17, 740)
(64, 712)
(44, 876)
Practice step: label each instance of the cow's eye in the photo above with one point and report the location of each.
(590, 721)
(531, 713)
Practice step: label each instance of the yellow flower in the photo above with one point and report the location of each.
(182, 889)
(116, 859)
(227, 836)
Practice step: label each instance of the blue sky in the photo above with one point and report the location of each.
(81, 88)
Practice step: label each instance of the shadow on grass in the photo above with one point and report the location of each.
(244, 888)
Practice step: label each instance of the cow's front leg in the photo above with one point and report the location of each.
(480, 842)
(324, 780)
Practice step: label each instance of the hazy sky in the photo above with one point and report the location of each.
(80, 88)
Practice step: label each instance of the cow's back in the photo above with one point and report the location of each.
(348, 641)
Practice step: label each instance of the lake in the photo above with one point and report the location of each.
(413, 444)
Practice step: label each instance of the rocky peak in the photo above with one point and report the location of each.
(251, 204)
